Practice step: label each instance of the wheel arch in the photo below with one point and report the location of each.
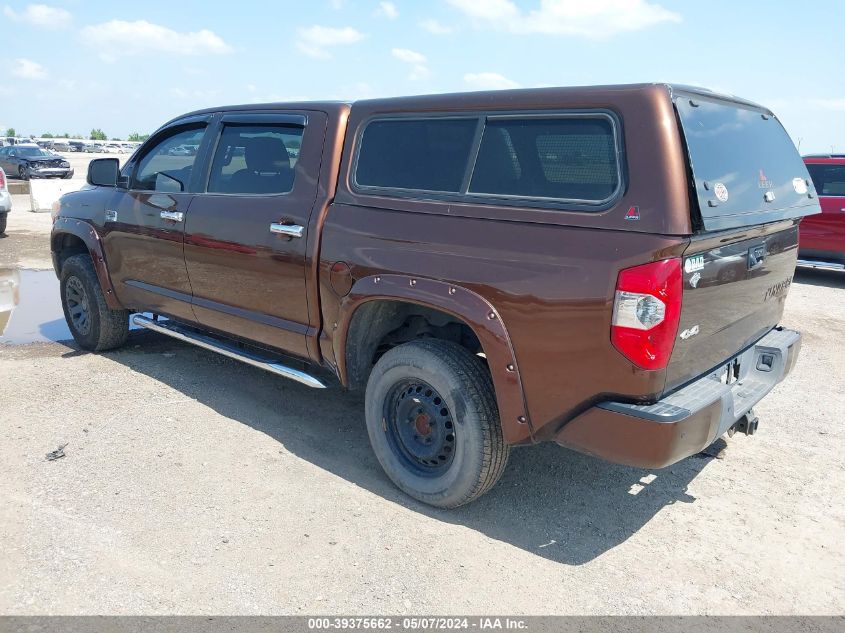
(368, 313)
(77, 237)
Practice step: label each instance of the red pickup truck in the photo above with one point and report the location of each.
(822, 236)
(602, 267)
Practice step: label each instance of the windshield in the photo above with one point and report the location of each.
(746, 168)
(32, 152)
(829, 179)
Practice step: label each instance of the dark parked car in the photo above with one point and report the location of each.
(31, 161)
(490, 269)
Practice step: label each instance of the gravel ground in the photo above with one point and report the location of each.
(195, 485)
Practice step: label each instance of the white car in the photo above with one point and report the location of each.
(10, 281)
(5, 201)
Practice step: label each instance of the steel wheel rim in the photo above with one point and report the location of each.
(78, 308)
(420, 428)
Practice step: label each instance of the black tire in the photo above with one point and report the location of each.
(456, 380)
(23, 172)
(3, 217)
(102, 328)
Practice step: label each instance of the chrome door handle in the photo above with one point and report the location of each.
(291, 230)
(174, 216)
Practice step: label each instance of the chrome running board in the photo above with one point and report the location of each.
(812, 263)
(214, 345)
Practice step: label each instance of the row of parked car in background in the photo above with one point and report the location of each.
(75, 145)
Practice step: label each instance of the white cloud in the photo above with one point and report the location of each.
(486, 9)
(40, 15)
(417, 60)
(596, 19)
(315, 41)
(387, 10)
(489, 81)
(28, 69)
(408, 56)
(435, 28)
(119, 38)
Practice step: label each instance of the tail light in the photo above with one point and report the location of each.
(2, 179)
(646, 312)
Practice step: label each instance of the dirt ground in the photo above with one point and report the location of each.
(195, 485)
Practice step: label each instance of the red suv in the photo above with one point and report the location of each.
(822, 236)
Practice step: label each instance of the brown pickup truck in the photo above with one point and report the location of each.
(602, 267)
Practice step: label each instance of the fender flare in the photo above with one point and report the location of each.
(86, 232)
(464, 304)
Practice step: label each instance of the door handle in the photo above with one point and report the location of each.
(291, 230)
(173, 216)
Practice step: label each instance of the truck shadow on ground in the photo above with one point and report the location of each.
(820, 278)
(552, 502)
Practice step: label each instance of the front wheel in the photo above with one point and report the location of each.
(23, 172)
(433, 422)
(92, 323)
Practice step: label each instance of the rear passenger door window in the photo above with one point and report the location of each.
(255, 159)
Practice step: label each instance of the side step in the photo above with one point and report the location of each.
(214, 345)
(812, 263)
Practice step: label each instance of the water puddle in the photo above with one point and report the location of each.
(30, 308)
(30, 311)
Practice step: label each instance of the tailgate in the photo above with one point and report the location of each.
(749, 189)
(734, 292)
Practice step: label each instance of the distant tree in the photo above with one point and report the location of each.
(47, 135)
(98, 135)
(10, 132)
(137, 138)
(65, 135)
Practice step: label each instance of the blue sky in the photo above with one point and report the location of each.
(70, 65)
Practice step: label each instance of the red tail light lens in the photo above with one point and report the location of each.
(646, 312)
(2, 180)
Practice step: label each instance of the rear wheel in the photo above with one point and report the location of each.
(2, 223)
(433, 422)
(92, 323)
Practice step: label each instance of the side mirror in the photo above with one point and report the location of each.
(103, 172)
